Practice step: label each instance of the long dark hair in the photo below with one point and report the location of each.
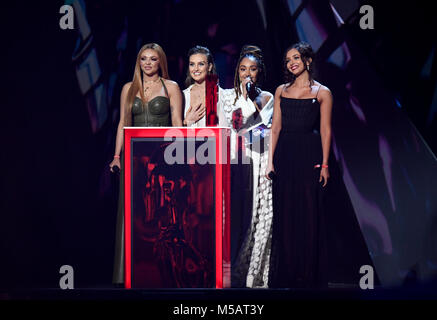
(249, 51)
(307, 55)
(199, 50)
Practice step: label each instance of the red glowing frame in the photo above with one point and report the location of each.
(222, 194)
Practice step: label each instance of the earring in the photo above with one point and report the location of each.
(308, 67)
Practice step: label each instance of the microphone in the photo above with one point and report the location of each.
(249, 86)
(116, 169)
(252, 91)
(272, 175)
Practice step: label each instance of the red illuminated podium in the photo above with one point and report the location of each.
(177, 200)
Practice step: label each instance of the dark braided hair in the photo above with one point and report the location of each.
(199, 50)
(307, 55)
(249, 51)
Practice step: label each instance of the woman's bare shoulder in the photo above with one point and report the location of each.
(324, 92)
(171, 84)
(127, 85)
(279, 89)
(126, 88)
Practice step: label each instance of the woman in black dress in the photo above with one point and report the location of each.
(300, 142)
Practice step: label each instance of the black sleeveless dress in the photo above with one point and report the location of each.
(155, 113)
(299, 237)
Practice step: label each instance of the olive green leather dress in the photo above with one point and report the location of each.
(155, 113)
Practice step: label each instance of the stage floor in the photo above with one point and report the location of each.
(416, 292)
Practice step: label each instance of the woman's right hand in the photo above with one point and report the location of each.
(194, 114)
(116, 163)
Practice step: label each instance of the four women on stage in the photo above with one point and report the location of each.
(280, 146)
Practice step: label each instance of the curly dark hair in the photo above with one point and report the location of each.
(199, 50)
(249, 51)
(307, 55)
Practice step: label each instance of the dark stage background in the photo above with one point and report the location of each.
(60, 100)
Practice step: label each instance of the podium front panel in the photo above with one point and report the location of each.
(176, 186)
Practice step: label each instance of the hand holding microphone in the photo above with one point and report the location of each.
(246, 85)
(115, 165)
(251, 89)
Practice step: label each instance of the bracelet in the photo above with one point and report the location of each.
(118, 157)
(323, 166)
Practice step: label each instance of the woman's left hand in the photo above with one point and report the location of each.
(237, 119)
(324, 176)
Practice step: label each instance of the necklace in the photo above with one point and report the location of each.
(148, 84)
